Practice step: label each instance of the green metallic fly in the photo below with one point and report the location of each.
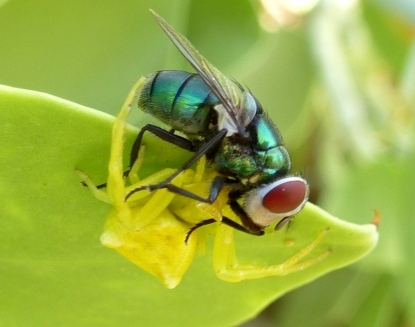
(224, 121)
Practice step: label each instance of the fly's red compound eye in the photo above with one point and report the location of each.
(287, 196)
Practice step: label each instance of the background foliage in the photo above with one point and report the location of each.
(338, 80)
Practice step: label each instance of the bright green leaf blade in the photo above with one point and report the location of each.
(53, 267)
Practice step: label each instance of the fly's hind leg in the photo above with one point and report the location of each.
(227, 267)
(161, 133)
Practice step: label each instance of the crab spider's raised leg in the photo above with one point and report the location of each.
(133, 173)
(115, 183)
(227, 267)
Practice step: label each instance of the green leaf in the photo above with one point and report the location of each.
(54, 271)
(366, 300)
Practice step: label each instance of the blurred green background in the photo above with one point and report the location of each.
(338, 78)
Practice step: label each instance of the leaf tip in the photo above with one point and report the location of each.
(376, 219)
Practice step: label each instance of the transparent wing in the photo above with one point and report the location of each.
(224, 89)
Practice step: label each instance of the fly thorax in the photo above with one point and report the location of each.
(236, 159)
(273, 162)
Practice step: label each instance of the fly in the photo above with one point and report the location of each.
(224, 121)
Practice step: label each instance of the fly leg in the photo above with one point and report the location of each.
(246, 225)
(161, 133)
(226, 221)
(167, 136)
(217, 183)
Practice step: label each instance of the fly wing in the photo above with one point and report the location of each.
(224, 89)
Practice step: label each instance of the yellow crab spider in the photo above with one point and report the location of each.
(145, 228)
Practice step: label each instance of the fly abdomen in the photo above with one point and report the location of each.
(181, 100)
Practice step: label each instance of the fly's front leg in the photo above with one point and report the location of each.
(227, 267)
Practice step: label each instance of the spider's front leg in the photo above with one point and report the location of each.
(227, 267)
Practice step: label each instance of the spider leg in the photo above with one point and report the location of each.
(227, 267)
(217, 183)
